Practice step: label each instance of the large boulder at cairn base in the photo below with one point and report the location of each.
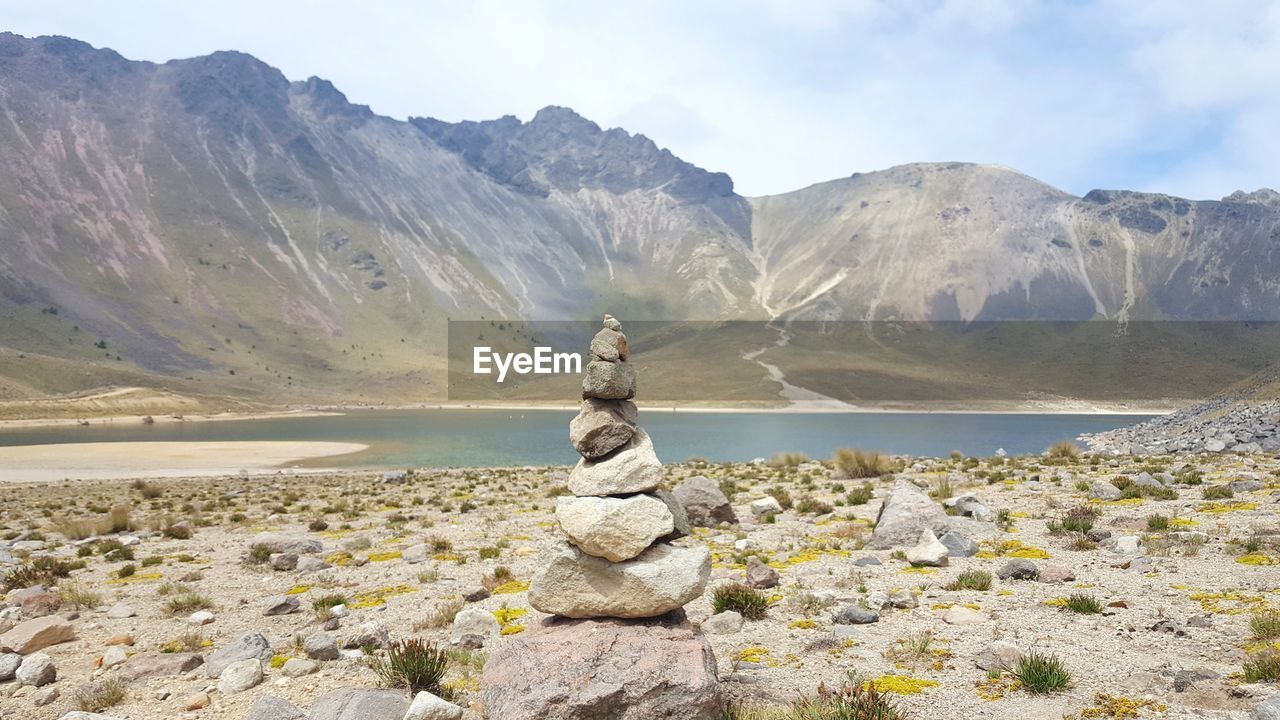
(609, 380)
(616, 529)
(598, 669)
(906, 512)
(704, 503)
(633, 468)
(602, 426)
(663, 578)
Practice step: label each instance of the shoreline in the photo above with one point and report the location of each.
(1056, 409)
(162, 419)
(122, 460)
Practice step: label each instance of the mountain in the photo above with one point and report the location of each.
(209, 226)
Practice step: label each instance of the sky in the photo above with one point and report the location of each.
(1175, 97)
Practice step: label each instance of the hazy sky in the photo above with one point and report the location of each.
(1179, 97)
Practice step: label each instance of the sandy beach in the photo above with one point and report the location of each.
(113, 461)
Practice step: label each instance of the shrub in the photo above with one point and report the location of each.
(96, 697)
(810, 505)
(489, 553)
(1040, 673)
(318, 525)
(748, 602)
(415, 665)
(441, 615)
(971, 580)
(78, 596)
(1262, 666)
(43, 570)
(1064, 450)
(126, 571)
(258, 554)
(1083, 604)
(187, 601)
(942, 490)
(1157, 522)
(1265, 625)
(1218, 492)
(787, 459)
(856, 701)
(861, 495)
(324, 604)
(783, 497)
(854, 463)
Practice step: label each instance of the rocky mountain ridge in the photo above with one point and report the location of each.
(207, 221)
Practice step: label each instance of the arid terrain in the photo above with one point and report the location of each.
(1155, 599)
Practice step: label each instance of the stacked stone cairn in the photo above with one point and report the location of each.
(617, 644)
(616, 559)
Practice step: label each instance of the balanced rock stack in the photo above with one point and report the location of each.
(616, 560)
(614, 648)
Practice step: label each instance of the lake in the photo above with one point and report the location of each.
(495, 438)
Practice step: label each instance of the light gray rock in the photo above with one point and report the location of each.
(659, 580)
(904, 514)
(704, 503)
(360, 704)
(928, 551)
(473, 621)
(426, 706)
(320, 646)
(958, 545)
(283, 562)
(854, 615)
(113, 656)
(961, 615)
(200, 617)
(609, 380)
(680, 526)
(297, 667)
(280, 605)
(249, 645)
(308, 564)
(161, 665)
(724, 623)
(369, 634)
(998, 655)
(120, 611)
(970, 506)
(1103, 490)
(1018, 569)
(9, 663)
(240, 676)
(270, 707)
(1268, 709)
(760, 575)
(633, 468)
(616, 529)
(295, 544)
(592, 670)
(602, 426)
(36, 669)
(903, 599)
(767, 505)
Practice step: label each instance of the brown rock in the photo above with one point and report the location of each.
(616, 669)
(32, 635)
(1056, 574)
(121, 640)
(40, 604)
(195, 702)
(760, 575)
(602, 426)
(161, 664)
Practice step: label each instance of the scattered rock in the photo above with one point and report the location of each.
(29, 636)
(473, 621)
(1103, 490)
(1018, 569)
(958, 545)
(196, 701)
(36, 669)
(9, 663)
(854, 615)
(760, 575)
(704, 503)
(297, 667)
(249, 645)
(1056, 574)
(240, 676)
(767, 505)
(906, 512)
(280, 605)
(361, 704)
(426, 706)
(270, 707)
(320, 646)
(928, 551)
(114, 656)
(371, 634)
(724, 623)
(283, 561)
(120, 611)
(293, 544)
(163, 664)
(961, 615)
(998, 655)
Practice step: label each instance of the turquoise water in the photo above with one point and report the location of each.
(495, 438)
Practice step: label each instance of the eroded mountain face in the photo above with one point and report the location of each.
(206, 215)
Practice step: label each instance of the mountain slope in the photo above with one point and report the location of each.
(208, 225)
